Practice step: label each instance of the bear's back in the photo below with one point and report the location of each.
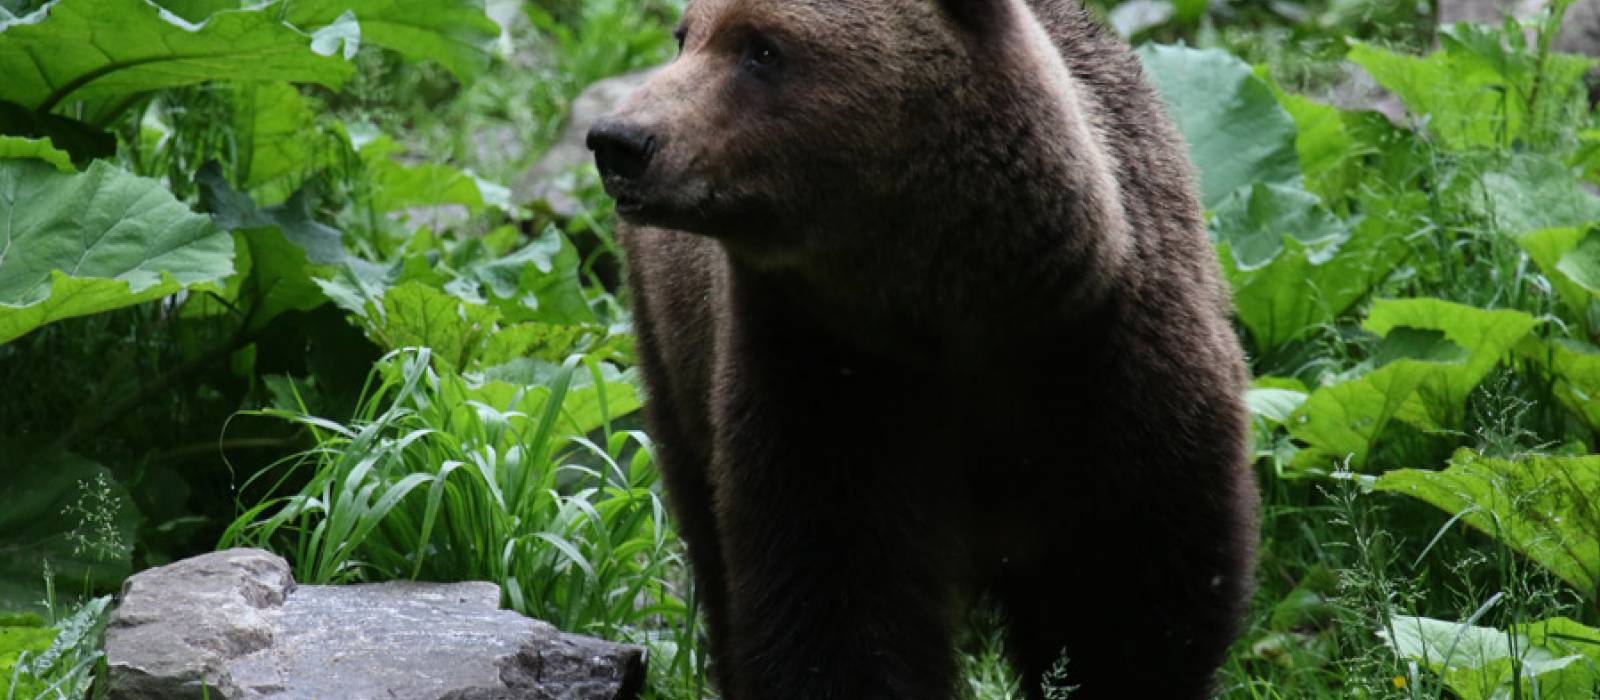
(1172, 257)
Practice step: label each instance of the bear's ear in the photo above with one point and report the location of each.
(977, 15)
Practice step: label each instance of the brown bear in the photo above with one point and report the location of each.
(927, 315)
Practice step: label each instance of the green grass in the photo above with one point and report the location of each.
(55, 660)
(439, 477)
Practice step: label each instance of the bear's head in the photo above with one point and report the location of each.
(790, 128)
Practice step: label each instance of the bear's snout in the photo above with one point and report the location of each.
(621, 151)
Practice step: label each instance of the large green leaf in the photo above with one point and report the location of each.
(1546, 507)
(581, 410)
(1324, 144)
(1488, 336)
(84, 142)
(42, 149)
(1305, 281)
(279, 278)
(234, 211)
(102, 52)
(1131, 19)
(416, 314)
(14, 642)
(284, 253)
(1557, 657)
(196, 11)
(1342, 422)
(24, 636)
(1529, 192)
(1254, 222)
(64, 512)
(76, 244)
(1434, 353)
(537, 283)
(1559, 250)
(1575, 368)
(397, 185)
(278, 139)
(1274, 404)
(465, 333)
(1237, 132)
(553, 343)
(453, 32)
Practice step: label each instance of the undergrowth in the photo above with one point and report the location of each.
(373, 360)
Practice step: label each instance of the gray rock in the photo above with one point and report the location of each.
(1581, 33)
(1357, 91)
(233, 625)
(551, 178)
(1485, 11)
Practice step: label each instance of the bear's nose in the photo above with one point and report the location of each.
(621, 150)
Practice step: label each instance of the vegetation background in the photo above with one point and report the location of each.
(283, 296)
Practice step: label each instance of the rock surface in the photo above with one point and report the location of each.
(233, 625)
(1485, 11)
(551, 179)
(1582, 31)
(1580, 35)
(1357, 91)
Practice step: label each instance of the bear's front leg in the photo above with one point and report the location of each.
(836, 520)
(836, 590)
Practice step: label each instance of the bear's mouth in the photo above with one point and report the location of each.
(642, 211)
(629, 206)
(643, 206)
(694, 208)
(655, 213)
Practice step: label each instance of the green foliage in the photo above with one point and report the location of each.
(65, 517)
(539, 282)
(84, 243)
(1228, 116)
(452, 32)
(52, 661)
(1293, 265)
(42, 149)
(20, 638)
(62, 54)
(444, 476)
(417, 315)
(1326, 141)
(1471, 223)
(1433, 355)
(1569, 258)
(606, 37)
(1410, 291)
(481, 310)
(1556, 659)
(278, 140)
(280, 250)
(1575, 367)
(1487, 338)
(397, 186)
(1548, 508)
(1253, 222)
(1483, 88)
(1528, 192)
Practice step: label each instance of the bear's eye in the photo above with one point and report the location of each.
(761, 53)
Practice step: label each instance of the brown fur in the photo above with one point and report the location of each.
(926, 312)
